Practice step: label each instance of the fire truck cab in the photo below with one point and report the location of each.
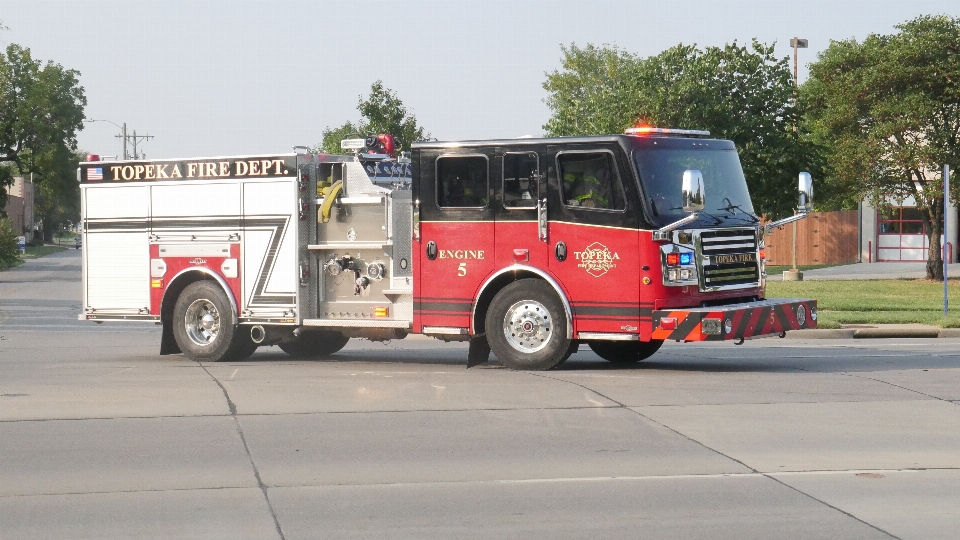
(524, 247)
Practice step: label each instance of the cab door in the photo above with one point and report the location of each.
(519, 238)
(594, 236)
(455, 248)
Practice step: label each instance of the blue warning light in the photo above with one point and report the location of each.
(686, 258)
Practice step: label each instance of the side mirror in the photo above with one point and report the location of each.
(805, 187)
(692, 191)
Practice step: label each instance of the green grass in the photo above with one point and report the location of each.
(895, 301)
(41, 251)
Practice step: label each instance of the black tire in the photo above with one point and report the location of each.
(526, 326)
(317, 343)
(190, 323)
(243, 347)
(625, 352)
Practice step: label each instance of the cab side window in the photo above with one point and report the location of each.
(520, 180)
(462, 182)
(589, 180)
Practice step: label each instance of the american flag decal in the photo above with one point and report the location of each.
(95, 173)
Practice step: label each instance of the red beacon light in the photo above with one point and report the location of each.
(93, 157)
(645, 131)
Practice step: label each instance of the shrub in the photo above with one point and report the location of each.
(9, 252)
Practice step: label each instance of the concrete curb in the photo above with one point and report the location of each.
(838, 333)
(879, 331)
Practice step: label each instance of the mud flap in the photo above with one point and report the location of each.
(479, 352)
(168, 343)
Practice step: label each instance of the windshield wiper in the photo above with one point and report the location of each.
(716, 220)
(732, 210)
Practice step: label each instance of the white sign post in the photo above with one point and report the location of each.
(946, 204)
(22, 243)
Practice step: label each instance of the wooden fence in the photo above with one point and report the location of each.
(822, 238)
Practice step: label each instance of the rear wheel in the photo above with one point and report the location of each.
(204, 324)
(317, 343)
(625, 352)
(526, 326)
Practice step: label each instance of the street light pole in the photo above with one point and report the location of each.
(793, 274)
(797, 43)
(123, 132)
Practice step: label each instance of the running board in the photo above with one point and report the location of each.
(607, 336)
(354, 323)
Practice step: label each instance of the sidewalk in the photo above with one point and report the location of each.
(880, 270)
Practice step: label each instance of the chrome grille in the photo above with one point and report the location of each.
(718, 275)
(728, 242)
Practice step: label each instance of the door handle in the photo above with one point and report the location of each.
(416, 220)
(542, 219)
(431, 250)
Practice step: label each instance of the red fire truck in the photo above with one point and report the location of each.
(526, 247)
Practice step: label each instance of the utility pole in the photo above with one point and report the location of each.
(124, 135)
(134, 140)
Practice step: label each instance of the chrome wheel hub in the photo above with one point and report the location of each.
(202, 322)
(527, 326)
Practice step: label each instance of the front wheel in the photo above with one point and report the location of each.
(625, 352)
(204, 324)
(316, 343)
(526, 326)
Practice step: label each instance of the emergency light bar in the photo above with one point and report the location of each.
(665, 131)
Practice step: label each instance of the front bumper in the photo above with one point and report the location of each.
(735, 321)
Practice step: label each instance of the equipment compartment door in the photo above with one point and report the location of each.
(594, 238)
(455, 249)
(116, 258)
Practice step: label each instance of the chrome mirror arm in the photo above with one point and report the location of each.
(663, 233)
(801, 213)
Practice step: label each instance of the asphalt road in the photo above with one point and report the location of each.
(102, 438)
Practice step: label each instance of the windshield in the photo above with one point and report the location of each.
(661, 163)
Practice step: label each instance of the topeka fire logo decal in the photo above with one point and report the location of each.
(596, 259)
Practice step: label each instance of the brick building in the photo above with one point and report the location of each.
(19, 207)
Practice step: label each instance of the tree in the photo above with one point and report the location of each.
(41, 109)
(383, 112)
(888, 109)
(594, 93)
(740, 93)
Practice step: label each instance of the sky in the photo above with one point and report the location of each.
(233, 77)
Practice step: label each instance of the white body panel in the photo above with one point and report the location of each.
(269, 248)
(196, 200)
(190, 218)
